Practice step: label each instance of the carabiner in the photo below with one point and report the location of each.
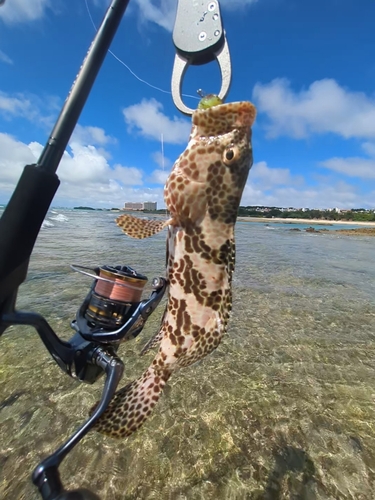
(199, 38)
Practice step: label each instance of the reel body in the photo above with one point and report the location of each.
(117, 290)
(111, 313)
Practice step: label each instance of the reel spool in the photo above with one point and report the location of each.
(114, 295)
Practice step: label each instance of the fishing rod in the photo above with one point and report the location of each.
(112, 311)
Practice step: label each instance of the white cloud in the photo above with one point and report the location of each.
(323, 107)
(18, 105)
(353, 167)
(369, 148)
(163, 12)
(236, 4)
(339, 194)
(92, 135)
(149, 120)
(266, 178)
(128, 176)
(85, 174)
(88, 179)
(83, 164)
(278, 187)
(363, 168)
(84, 171)
(161, 160)
(18, 11)
(158, 177)
(4, 58)
(14, 156)
(30, 107)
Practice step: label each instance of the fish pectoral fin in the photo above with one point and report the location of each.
(132, 405)
(141, 228)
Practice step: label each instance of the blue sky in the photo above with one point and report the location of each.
(309, 67)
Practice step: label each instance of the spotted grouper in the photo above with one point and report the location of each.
(202, 195)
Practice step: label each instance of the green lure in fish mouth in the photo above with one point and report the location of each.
(209, 101)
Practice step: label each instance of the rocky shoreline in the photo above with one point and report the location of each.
(316, 222)
(360, 231)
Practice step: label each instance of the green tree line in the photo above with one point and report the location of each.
(355, 215)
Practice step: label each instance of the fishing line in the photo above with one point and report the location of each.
(129, 69)
(115, 289)
(114, 294)
(163, 167)
(113, 283)
(162, 151)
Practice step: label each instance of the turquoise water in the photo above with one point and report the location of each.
(334, 227)
(292, 225)
(283, 409)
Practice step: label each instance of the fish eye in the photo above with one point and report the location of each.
(230, 155)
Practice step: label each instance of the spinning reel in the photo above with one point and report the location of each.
(112, 312)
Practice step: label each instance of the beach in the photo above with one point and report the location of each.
(279, 220)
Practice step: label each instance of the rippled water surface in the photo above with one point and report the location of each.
(283, 409)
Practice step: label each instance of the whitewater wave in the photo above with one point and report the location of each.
(60, 217)
(46, 223)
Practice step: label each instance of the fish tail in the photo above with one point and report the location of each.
(132, 404)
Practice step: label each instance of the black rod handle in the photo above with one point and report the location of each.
(21, 223)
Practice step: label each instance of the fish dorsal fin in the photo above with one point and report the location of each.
(153, 342)
(157, 338)
(140, 228)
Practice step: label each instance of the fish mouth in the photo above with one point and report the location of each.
(225, 117)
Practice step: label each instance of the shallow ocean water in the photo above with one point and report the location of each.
(283, 409)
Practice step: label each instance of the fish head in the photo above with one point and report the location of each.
(210, 175)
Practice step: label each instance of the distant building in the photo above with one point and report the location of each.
(133, 205)
(150, 205)
(137, 205)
